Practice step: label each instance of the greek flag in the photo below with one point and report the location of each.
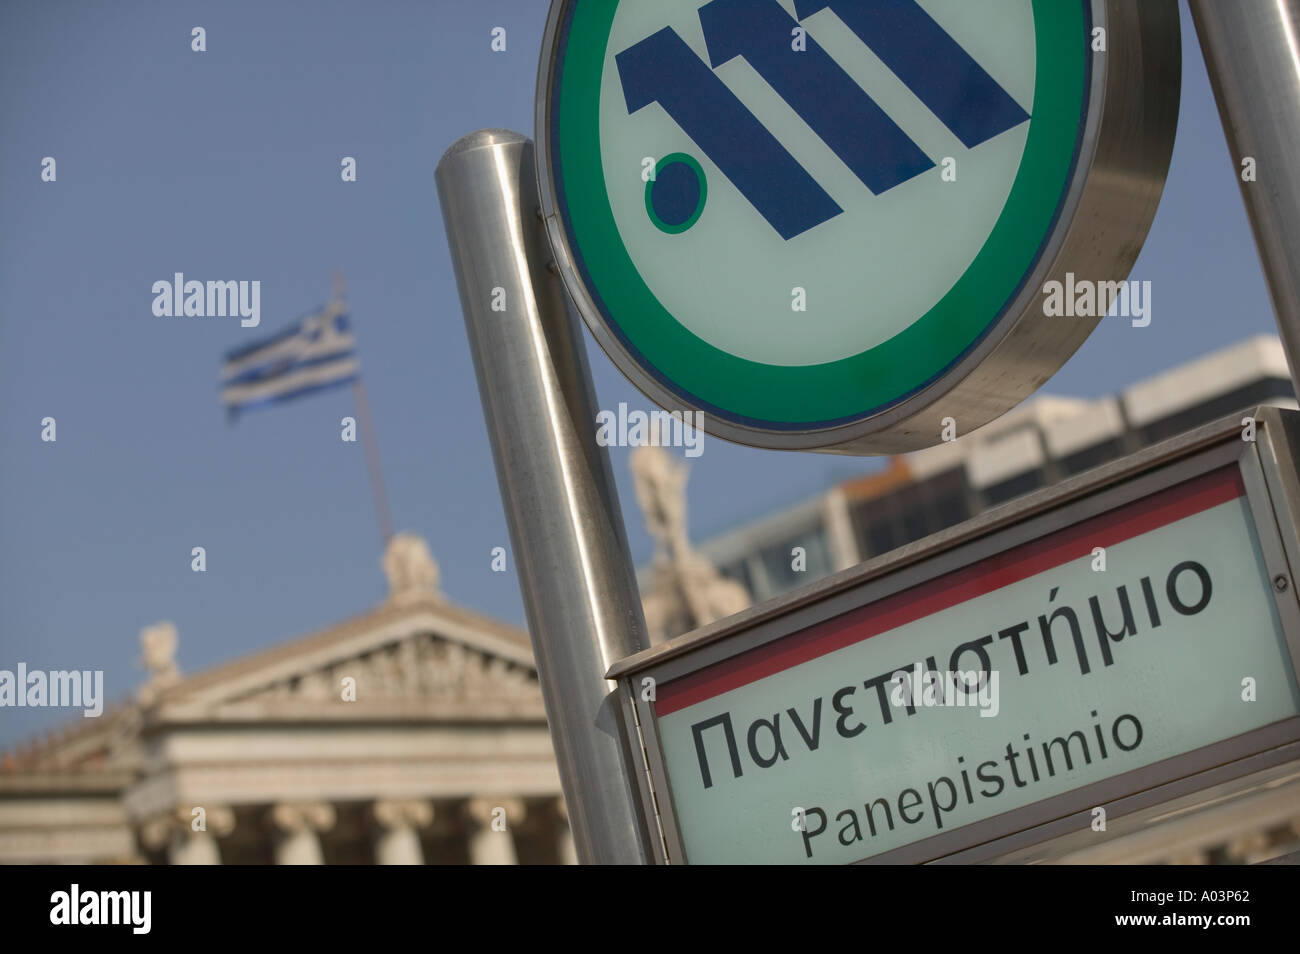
(317, 353)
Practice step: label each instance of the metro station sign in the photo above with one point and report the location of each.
(827, 224)
(1093, 641)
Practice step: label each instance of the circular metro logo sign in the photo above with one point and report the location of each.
(814, 219)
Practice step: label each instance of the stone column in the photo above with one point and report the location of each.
(565, 848)
(188, 843)
(396, 824)
(491, 822)
(296, 827)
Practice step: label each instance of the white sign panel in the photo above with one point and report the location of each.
(1009, 681)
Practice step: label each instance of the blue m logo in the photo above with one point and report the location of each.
(663, 69)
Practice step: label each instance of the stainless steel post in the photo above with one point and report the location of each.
(1252, 52)
(580, 595)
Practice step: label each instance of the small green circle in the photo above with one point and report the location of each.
(695, 166)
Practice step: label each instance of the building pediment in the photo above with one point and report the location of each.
(413, 659)
(421, 659)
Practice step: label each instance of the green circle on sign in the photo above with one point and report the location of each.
(677, 158)
(856, 350)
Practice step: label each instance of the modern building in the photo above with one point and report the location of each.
(1039, 443)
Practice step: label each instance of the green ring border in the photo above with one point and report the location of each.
(688, 160)
(861, 385)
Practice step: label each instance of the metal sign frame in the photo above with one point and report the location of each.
(1268, 470)
(1122, 155)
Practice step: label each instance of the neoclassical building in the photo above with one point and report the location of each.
(413, 733)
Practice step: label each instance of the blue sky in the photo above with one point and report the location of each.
(224, 165)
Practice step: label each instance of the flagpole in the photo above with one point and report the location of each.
(372, 459)
(368, 441)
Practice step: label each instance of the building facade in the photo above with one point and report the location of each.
(1041, 442)
(411, 734)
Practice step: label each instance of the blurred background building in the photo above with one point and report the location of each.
(1039, 443)
(415, 732)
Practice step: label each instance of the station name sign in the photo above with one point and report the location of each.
(1108, 646)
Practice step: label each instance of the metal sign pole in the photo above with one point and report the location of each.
(1252, 52)
(584, 611)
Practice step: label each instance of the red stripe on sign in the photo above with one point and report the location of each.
(1131, 520)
